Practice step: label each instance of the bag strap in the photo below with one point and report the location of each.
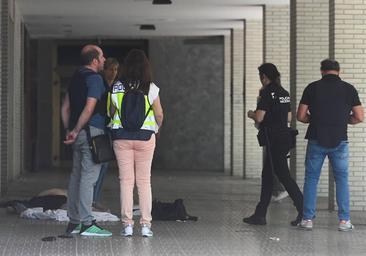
(88, 136)
(147, 113)
(150, 106)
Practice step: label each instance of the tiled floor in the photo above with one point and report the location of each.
(219, 201)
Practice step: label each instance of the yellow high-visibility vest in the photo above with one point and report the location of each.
(114, 104)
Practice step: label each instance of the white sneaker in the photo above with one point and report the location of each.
(280, 196)
(127, 230)
(146, 231)
(306, 224)
(345, 226)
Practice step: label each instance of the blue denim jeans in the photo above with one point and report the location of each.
(98, 185)
(338, 157)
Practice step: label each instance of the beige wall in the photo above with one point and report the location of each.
(227, 104)
(4, 141)
(277, 43)
(253, 58)
(349, 50)
(2, 154)
(238, 102)
(312, 45)
(333, 29)
(11, 92)
(16, 94)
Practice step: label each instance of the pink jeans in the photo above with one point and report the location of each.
(134, 158)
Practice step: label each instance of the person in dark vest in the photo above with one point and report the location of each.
(83, 112)
(273, 114)
(328, 105)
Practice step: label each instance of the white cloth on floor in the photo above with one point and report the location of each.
(61, 215)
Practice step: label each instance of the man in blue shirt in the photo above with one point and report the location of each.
(83, 111)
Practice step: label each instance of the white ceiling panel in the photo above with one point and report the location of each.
(122, 18)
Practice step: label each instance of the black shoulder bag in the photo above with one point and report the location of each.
(101, 147)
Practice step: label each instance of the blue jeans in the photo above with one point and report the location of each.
(338, 157)
(98, 185)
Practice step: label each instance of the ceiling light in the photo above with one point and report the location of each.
(147, 27)
(162, 1)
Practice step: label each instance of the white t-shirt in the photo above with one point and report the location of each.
(153, 93)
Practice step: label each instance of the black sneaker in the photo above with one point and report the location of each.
(85, 227)
(297, 221)
(255, 220)
(71, 227)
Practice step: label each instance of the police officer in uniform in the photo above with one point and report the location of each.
(273, 114)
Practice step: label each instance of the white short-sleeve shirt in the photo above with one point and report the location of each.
(153, 93)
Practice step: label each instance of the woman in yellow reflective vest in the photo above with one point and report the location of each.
(134, 149)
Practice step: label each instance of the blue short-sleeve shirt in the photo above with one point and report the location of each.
(96, 89)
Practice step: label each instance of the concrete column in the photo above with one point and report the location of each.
(44, 101)
(309, 45)
(227, 105)
(15, 118)
(334, 29)
(1, 93)
(253, 59)
(348, 40)
(277, 48)
(11, 93)
(237, 102)
(4, 98)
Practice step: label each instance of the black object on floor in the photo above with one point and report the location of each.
(66, 235)
(170, 211)
(51, 202)
(255, 220)
(49, 239)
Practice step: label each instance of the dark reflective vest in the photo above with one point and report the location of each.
(78, 94)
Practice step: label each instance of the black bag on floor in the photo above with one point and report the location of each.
(49, 202)
(170, 211)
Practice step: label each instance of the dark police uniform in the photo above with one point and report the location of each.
(275, 101)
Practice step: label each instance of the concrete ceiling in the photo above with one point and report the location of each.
(121, 18)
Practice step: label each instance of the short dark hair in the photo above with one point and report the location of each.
(329, 64)
(88, 56)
